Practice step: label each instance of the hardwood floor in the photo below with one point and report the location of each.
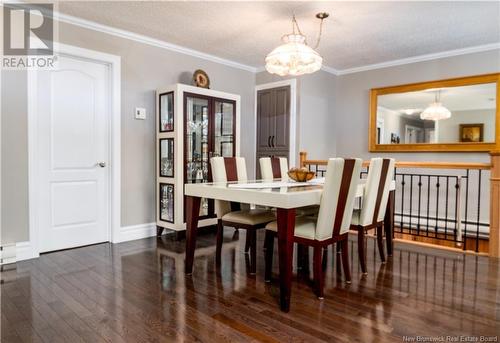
(134, 292)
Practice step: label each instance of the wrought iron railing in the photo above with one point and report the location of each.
(437, 201)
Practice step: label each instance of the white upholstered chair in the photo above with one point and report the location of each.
(374, 204)
(333, 221)
(272, 168)
(227, 169)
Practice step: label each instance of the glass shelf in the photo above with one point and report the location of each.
(167, 112)
(167, 157)
(224, 129)
(197, 149)
(167, 202)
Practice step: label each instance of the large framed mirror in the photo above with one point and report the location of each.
(454, 115)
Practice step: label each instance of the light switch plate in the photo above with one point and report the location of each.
(140, 113)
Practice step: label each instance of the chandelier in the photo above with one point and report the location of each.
(294, 56)
(436, 111)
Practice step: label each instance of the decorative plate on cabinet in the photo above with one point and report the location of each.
(201, 79)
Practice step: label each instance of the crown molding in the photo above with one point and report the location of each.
(421, 58)
(148, 40)
(330, 70)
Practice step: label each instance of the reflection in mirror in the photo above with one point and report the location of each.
(457, 115)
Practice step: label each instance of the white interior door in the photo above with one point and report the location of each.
(73, 112)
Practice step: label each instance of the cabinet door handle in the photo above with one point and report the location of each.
(269, 141)
(272, 142)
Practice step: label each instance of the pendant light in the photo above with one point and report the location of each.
(294, 56)
(436, 111)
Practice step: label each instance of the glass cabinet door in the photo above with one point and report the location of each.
(167, 202)
(167, 112)
(167, 157)
(223, 128)
(197, 144)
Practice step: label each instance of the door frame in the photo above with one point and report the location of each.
(113, 63)
(292, 159)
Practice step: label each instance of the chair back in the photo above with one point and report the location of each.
(337, 201)
(273, 168)
(384, 197)
(380, 174)
(227, 169)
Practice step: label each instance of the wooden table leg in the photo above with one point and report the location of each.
(389, 222)
(286, 228)
(192, 215)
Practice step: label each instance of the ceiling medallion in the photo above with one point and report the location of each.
(295, 57)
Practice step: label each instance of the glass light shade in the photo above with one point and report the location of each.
(435, 111)
(294, 57)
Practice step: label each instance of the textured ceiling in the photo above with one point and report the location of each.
(356, 34)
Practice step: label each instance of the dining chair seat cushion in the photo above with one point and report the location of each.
(307, 210)
(305, 227)
(311, 211)
(250, 217)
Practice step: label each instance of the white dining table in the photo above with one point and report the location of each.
(285, 197)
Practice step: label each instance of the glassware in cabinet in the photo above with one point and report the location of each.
(167, 157)
(167, 202)
(224, 128)
(197, 144)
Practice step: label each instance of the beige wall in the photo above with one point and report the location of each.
(14, 136)
(144, 69)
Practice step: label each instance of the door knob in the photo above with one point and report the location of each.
(101, 164)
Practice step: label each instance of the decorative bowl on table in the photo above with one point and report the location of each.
(300, 175)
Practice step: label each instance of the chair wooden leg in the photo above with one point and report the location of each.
(319, 281)
(380, 243)
(303, 258)
(389, 223)
(361, 249)
(269, 246)
(300, 253)
(253, 250)
(338, 258)
(218, 248)
(248, 242)
(324, 262)
(345, 259)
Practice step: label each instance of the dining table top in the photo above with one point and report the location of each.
(277, 193)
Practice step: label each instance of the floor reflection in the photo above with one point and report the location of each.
(137, 291)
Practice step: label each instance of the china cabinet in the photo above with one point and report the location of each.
(192, 125)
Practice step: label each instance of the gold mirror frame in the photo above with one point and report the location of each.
(433, 147)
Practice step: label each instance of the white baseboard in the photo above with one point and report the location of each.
(19, 252)
(23, 250)
(7, 253)
(133, 232)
